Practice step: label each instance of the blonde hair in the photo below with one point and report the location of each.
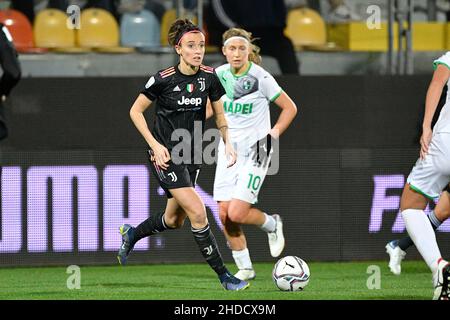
(254, 55)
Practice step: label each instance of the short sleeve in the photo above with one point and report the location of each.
(153, 87)
(444, 60)
(269, 87)
(216, 90)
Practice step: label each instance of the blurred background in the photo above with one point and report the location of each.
(329, 37)
(74, 168)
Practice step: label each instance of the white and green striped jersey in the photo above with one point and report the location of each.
(443, 123)
(246, 102)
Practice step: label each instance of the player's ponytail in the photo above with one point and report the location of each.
(254, 55)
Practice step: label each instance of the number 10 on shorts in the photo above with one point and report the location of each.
(254, 182)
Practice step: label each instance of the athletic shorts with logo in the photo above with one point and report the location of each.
(431, 175)
(241, 181)
(175, 176)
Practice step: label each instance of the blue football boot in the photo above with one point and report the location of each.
(128, 242)
(230, 282)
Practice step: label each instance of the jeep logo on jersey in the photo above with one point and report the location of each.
(190, 87)
(192, 101)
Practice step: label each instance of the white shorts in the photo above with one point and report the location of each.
(242, 181)
(430, 175)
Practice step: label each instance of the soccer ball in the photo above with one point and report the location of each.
(291, 274)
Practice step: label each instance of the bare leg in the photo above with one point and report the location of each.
(232, 230)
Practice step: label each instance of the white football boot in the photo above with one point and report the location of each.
(246, 274)
(396, 255)
(276, 238)
(441, 280)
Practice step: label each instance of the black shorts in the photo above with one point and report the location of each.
(175, 176)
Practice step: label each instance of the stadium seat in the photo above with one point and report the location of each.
(305, 27)
(100, 31)
(140, 29)
(168, 18)
(20, 29)
(50, 30)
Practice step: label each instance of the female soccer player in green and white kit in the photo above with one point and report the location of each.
(249, 91)
(428, 178)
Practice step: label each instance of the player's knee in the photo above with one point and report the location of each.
(170, 222)
(174, 222)
(442, 210)
(198, 216)
(236, 215)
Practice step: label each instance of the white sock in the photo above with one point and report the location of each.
(270, 224)
(421, 232)
(242, 259)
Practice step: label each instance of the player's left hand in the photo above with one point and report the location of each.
(230, 154)
(425, 140)
(261, 151)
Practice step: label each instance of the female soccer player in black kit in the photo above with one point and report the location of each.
(180, 94)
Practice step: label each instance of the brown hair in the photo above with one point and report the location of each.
(254, 55)
(179, 28)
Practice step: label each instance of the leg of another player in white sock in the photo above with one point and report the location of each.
(242, 259)
(269, 224)
(421, 232)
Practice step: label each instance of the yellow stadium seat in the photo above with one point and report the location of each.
(99, 29)
(429, 36)
(168, 18)
(305, 27)
(50, 30)
(355, 36)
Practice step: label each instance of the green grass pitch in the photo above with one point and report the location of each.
(329, 281)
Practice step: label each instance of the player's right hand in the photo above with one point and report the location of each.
(230, 154)
(425, 140)
(261, 151)
(160, 156)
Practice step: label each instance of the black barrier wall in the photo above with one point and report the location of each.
(74, 169)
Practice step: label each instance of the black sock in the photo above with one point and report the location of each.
(149, 227)
(208, 247)
(407, 242)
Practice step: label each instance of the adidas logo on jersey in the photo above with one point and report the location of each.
(192, 101)
(177, 88)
